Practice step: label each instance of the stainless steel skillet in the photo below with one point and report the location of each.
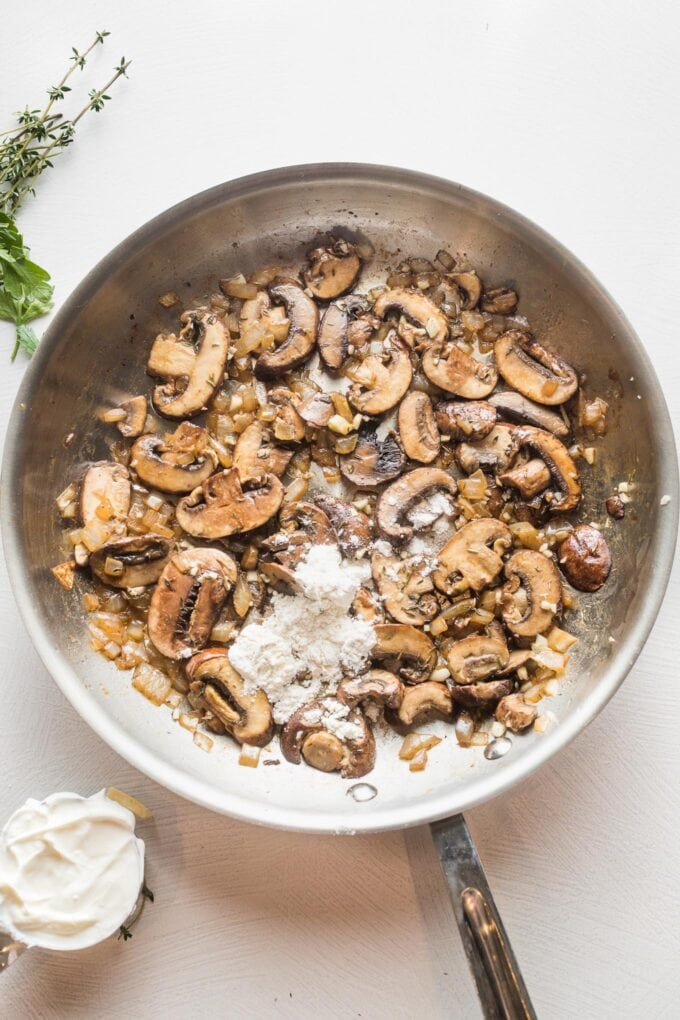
(96, 349)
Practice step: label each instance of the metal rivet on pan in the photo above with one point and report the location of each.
(362, 791)
(497, 748)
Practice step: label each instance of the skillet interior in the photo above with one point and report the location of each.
(95, 351)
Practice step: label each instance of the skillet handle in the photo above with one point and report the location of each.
(500, 986)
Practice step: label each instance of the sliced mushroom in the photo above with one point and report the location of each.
(332, 270)
(279, 577)
(353, 529)
(451, 369)
(298, 345)
(215, 682)
(377, 686)
(254, 456)
(518, 657)
(192, 364)
(305, 736)
(532, 593)
(421, 702)
(518, 408)
(417, 427)
(465, 419)
(105, 494)
(373, 461)
(400, 496)
(187, 600)
(260, 324)
(366, 608)
(585, 558)
(405, 588)
(176, 463)
(534, 371)
(559, 462)
(471, 287)
(381, 380)
(529, 478)
(496, 450)
(499, 301)
(224, 506)
(515, 713)
(288, 425)
(135, 417)
(339, 332)
(132, 562)
(404, 650)
(473, 554)
(316, 409)
(417, 308)
(480, 695)
(478, 656)
(302, 525)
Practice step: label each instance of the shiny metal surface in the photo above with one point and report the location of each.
(95, 352)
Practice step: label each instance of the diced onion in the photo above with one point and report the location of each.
(249, 756)
(203, 741)
(415, 742)
(152, 683)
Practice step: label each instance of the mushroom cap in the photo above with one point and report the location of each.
(332, 270)
(451, 369)
(254, 457)
(559, 462)
(532, 370)
(480, 695)
(248, 717)
(465, 419)
(222, 506)
(585, 558)
(471, 286)
(417, 427)
(405, 590)
(352, 528)
(518, 408)
(405, 650)
(303, 524)
(532, 593)
(529, 478)
(299, 344)
(358, 753)
(377, 686)
(400, 496)
(515, 713)
(496, 450)
(373, 461)
(474, 553)
(381, 380)
(187, 600)
(198, 354)
(157, 463)
(316, 409)
(417, 307)
(478, 656)
(143, 558)
(133, 424)
(420, 702)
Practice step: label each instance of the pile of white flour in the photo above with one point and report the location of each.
(308, 641)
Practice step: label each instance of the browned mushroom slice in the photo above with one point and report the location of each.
(254, 456)
(131, 562)
(381, 380)
(222, 506)
(473, 554)
(317, 409)
(352, 528)
(471, 287)
(192, 363)
(518, 408)
(518, 657)
(366, 607)
(451, 369)
(480, 695)
(529, 478)
(339, 332)
(302, 525)
(496, 451)
(478, 656)
(373, 461)
(404, 650)
(220, 689)
(288, 425)
(417, 427)
(279, 577)
(585, 558)
(559, 462)
(305, 735)
(400, 496)
(532, 593)
(534, 371)
(465, 419)
(417, 308)
(332, 270)
(176, 463)
(405, 587)
(187, 600)
(499, 301)
(135, 417)
(377, 686)
(515, 713)
(105, 487)
(298, 345)
(422, 702)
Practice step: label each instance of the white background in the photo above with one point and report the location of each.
(569, 113)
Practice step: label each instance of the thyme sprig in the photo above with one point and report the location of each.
(26, 150)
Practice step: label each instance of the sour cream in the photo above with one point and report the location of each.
(71, 869)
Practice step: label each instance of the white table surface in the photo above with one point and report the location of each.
(568, 112)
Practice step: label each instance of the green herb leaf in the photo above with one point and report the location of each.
(25, 287)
